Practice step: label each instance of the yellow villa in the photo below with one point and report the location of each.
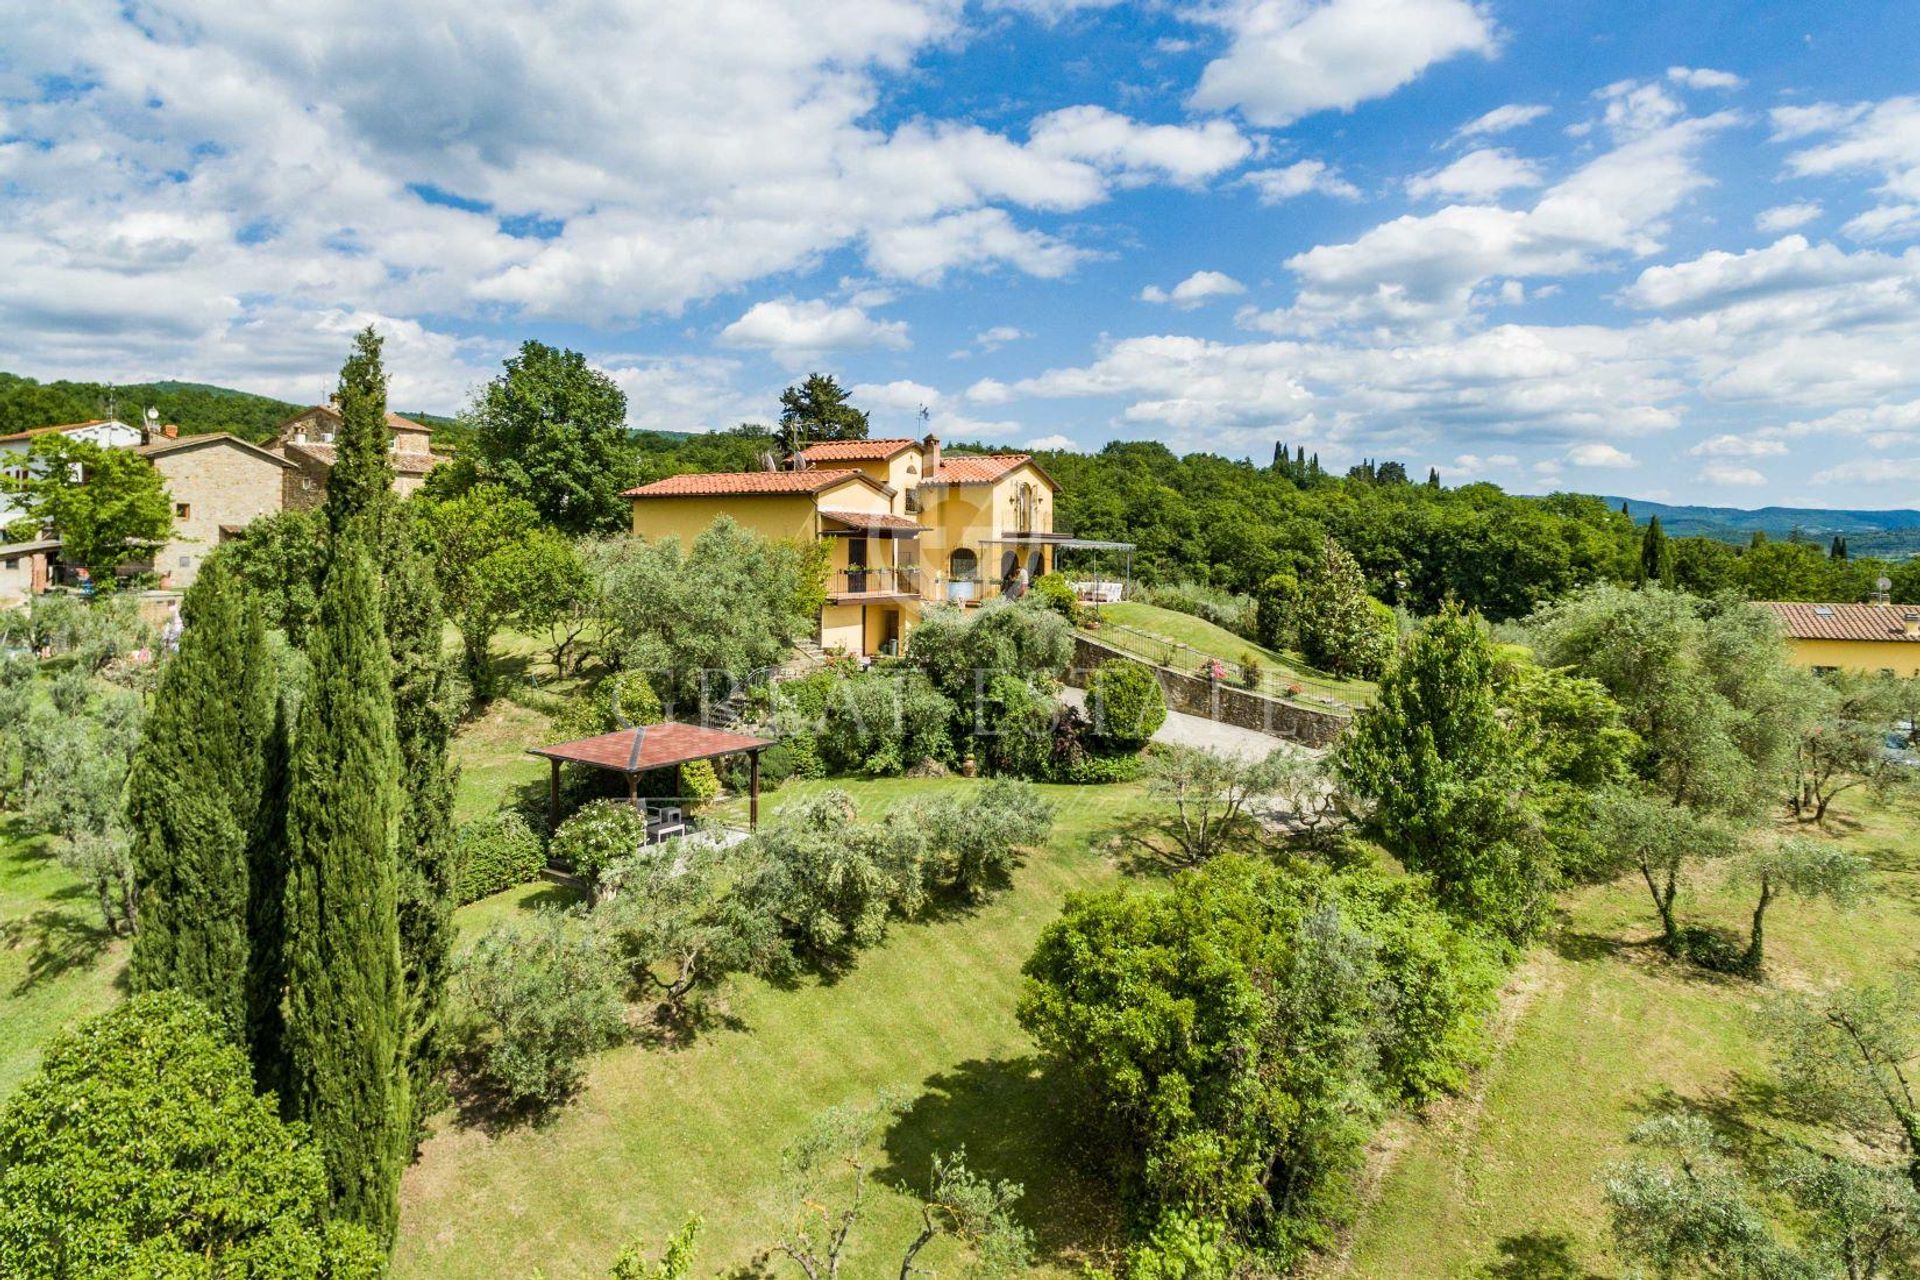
(906, 525)
(1874, 638)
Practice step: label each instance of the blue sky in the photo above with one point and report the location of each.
(1656, 249)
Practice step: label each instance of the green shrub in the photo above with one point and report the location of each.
(497, 852)
(139, 1148)
(832, 882)
(699, 784)
(1212, 604)
(1251, 670)
(1125, 704)
(622, 699)
(1018, 737)
(882, 724)
(1343, 629)
(1054, 591)
(1092, 768)
(1276, 612)
(974, 842)
(1022, 639)
(534, 1002)
(596, 836)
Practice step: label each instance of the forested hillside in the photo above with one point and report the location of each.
(198, 408)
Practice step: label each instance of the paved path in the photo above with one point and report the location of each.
(1198, 731)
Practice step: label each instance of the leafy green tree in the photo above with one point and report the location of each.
(676, 1263)
(1339, 628)
(538, 1001)
(489, 556)
(1842, 743)
(1228, 1031)
(139, 1147)
(1849, 1057)
(818, 409)
(1661, 840)
(1690, 1212)
(832, 882)
(1276, 616)
(1704, 684)
(597, 837)
(974, 842)
(107, 506)
(1210, 793)
(701, 617)
(346, 1002)
(551, 431)
(1442, 780)
(193, 795)
(282, 558)
(1804, 868)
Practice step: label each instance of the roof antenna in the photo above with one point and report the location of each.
(925, 415)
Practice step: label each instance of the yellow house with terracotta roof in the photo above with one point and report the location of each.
(1873, 638)
(908, 526)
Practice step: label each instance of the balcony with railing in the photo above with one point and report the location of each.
(881, 582)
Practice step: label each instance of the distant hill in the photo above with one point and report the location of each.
(1881, 533)
(199, 409)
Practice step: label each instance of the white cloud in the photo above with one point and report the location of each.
(1195, 290)
(1057, 442)
(1704, 78)
(1718, 279)
(1299, 178)
(1183, 154)
(1722, 474)
(1787, 217)
(1732, 446)
(1595, 453)
(925, 252)
(1634, 107)
(1884, 222)
(1291, 58)
(1880, 139)
(1500, 120)
(1435, 268)
(1879, 471)
(796, 331)
(902, 394)
(1477, 175)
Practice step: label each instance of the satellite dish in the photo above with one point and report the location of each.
(153, 414)
(1883, 584)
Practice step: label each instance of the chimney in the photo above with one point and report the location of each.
(1912, 623)
(171, 431)
(930, 452)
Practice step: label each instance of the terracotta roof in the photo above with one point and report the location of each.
(746, 483)
(31, 432)
(873, 520)
(857, 450)
(394, 421)
(1844, 621)
(661, 745)
(983, 468)
(174, 444)
(406, 462)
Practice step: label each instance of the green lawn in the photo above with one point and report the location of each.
(57, 965)
(1599, 1029)
(1183, 641)
(661, 1133)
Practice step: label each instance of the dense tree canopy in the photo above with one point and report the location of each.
(818, 409)
(107, 506)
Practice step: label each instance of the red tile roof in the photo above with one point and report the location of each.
(175, 444)
(725, 483)
(977, 468)
(405, 461)
(662, 745)
(873, 520)
(1844, 621)
(857, 450)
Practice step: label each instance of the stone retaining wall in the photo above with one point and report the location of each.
(1198, 696)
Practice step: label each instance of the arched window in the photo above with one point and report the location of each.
(1036, 563)
(1009, 565)
(964, 566)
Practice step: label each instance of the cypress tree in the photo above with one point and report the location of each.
(266, 909)
(1838, 550)
(424, 713)
(193, 796)
(1656, 557)
(346, 999)
(362, 474)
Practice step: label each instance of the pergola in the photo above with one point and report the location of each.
(1065, 542)
(653, 746)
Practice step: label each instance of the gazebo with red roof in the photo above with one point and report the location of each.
(654, 746)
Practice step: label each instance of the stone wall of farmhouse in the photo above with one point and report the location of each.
(1198, 696)
(217, 485)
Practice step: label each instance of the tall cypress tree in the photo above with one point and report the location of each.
(193, 796)
(362, 475)
(346, 999)
(1656, 557)
(266, 909)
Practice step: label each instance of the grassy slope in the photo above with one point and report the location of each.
(57, 965)
(1209, 641)
(660, 1133)
(1602, 1030)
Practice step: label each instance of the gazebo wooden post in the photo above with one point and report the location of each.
(753, 791)
(633, 790)
(553, 797)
